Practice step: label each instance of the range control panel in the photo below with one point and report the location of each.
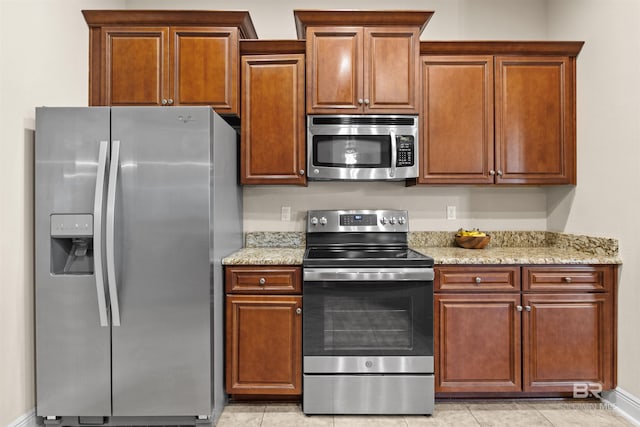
(357, 221)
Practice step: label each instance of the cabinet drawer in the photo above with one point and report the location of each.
(278, 280)
(477, 278)
(578, 278)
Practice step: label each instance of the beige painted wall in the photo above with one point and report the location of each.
(607, 198)
(52, 70)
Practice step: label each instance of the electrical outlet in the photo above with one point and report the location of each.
(285, 213)
(451, 212)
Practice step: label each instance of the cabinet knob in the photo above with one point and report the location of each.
(164, 101)
(301, 171)
(499, 172)
(298, 311)
(527, 307)
(360, 101)
(262, 281)
(170, 101)
(366, 101)
(492, 172)
(478, 280)
(518, 308)
(567, 279)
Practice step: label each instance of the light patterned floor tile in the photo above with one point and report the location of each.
(295, 419)
(369, 421)
(239, 419)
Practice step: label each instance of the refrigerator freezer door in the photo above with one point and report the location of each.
(161, 350)
(72, 349)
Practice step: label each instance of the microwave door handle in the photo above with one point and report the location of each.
(394, 154)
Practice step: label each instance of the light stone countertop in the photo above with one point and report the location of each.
(265, 256)
(506, 247)
(441, 255)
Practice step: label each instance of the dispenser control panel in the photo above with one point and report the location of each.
(71, 225)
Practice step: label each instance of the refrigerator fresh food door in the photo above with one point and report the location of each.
(161, 349)
(72, 334)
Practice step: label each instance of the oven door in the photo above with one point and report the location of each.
(368, 320)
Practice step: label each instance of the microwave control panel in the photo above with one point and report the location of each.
(405, 151)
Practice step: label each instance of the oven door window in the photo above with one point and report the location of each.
(352, 151)
(372, 318)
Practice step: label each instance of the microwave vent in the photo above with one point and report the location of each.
(365, 120)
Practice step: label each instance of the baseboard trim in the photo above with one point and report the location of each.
(25, 420)
(625, 403)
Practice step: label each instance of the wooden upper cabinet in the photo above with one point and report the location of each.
(362, 62)
(273, 114)
(204, 67)
(456, 128)
(526, 88)
(135, 65)
(166, 57)
(334, 70)
(535, 120)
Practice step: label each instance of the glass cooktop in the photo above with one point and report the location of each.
(365, 257)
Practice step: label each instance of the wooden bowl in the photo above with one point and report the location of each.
(472, 242)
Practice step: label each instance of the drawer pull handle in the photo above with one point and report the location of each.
(567, 279)
(298, 311)
(518, 308)
(478, 280)
(262, 281)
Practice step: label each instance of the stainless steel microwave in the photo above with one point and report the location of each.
(362, 147)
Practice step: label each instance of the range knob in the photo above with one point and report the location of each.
(402, 220)
(314, 221)
(323, 221)
(393, 220)
(384, 221)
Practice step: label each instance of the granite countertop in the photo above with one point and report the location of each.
(506, 247)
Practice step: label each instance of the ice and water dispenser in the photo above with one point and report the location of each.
(72, 244)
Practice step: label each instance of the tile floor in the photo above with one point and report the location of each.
(535, 413)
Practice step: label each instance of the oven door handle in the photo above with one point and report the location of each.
(367, 274)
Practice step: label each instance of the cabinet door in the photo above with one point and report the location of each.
(477, 343)
(334, 70)
(273, 120)
(391, 67)
(263, 345)
(204, 66)
(134, 65)
(457, 120)
(567, 339)
(535, 120)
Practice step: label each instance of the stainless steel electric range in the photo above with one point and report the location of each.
(368, 317)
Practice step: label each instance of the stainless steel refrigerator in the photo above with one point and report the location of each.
(135, 207)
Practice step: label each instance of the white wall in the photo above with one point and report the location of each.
(607, 198)
(43, 61)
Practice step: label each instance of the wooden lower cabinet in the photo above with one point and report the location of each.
(525, 342)
(263, 343)
(567, 339)
(477, 338)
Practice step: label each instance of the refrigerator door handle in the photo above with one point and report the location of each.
(110, 246)
(98, 202)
